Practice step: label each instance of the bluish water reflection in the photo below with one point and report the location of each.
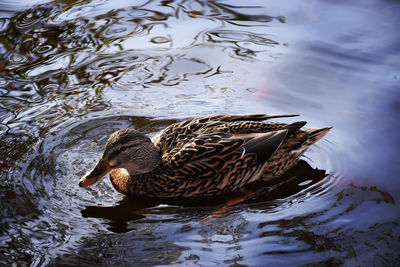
(73, 72)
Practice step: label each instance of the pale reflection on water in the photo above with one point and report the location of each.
(72, 72)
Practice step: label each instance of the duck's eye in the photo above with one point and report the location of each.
(123, 148)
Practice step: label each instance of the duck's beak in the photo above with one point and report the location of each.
(98, 172)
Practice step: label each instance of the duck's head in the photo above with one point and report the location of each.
(128, 149)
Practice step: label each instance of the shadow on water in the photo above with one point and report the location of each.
(298, 178)
(72, 72)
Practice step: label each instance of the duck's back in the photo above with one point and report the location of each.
(189, 136)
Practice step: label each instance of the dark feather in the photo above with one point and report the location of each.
(264, 145)
(293, 127)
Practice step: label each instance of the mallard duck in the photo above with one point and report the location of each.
(202, 157)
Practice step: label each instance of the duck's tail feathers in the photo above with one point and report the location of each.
(293, 127)
(315, 134)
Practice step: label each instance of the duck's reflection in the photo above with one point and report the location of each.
(296, 179)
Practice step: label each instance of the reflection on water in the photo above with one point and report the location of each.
(72, 72)
(292, 182)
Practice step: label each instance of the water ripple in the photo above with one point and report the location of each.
(72, 72)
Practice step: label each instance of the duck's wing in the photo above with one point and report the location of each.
(238, 117)
(217, 156)
(178, 134)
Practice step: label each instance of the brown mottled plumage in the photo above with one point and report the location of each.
(204, 156)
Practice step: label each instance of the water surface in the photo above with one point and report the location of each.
(72, 72)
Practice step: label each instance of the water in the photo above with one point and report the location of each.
(72, 72)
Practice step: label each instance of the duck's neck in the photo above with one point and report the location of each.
(131, 185)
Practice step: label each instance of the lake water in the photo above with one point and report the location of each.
(72, 72)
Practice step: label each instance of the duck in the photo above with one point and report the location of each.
(203, 156)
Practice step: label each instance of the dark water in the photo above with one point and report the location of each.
(72, 72)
